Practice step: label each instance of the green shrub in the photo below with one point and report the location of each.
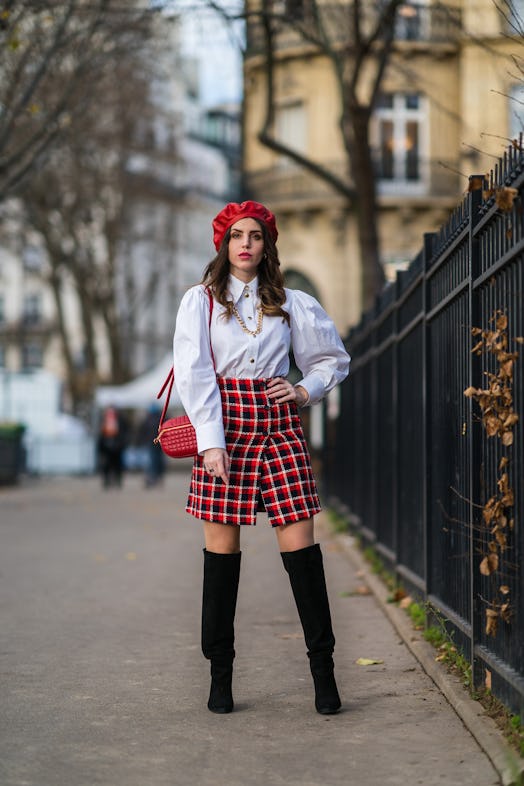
(11, 429)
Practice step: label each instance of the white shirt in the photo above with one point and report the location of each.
(317, 348)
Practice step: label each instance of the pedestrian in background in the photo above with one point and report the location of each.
(155, 459)
(112, 440)
(232, 380)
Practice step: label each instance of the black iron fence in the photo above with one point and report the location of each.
(410, 457)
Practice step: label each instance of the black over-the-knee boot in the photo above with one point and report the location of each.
(219, 599)
(306, 574)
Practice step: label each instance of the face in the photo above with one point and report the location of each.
(245, 248)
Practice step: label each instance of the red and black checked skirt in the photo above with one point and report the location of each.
(269, 457)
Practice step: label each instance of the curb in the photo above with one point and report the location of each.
(506, 762)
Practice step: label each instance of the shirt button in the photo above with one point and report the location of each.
(252, 360)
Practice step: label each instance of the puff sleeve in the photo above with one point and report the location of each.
(318, 349)
(195, 377)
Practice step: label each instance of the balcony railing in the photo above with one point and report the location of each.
(297, 25)
(289, 182)
(18, 329)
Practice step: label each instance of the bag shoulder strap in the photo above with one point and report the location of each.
(170, 379)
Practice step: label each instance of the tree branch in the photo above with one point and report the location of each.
(266, 136)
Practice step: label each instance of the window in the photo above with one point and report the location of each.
(399, 138)
(291, 128)
(412, 22)
(295, 9)
(292, 9)
(32, 314)
(516, 110)
(32, 356)
(32, 258)
(515, 16)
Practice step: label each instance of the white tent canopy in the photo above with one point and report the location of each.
(140, 392)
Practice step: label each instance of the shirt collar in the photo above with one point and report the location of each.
(236, 288)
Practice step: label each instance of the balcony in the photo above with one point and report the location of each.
(25, 327)
(287, 181)
(285, 184)
(300, 25)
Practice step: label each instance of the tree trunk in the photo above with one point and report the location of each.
(87, 315)
(356, 138)
(119, 370)
(56, 289)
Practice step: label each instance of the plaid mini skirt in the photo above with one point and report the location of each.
(269, 462)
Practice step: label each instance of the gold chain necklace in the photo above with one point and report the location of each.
(243, 324)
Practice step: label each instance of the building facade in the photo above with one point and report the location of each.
(184, 165)
(448, 102)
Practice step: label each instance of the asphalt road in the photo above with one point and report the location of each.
(103, 682)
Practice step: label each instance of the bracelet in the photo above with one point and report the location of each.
(306, 400)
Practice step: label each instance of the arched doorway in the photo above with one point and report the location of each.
(312, 419)
(293, 279)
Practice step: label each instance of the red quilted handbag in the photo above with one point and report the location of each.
(176, 436)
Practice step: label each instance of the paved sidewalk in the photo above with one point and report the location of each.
(102, 680)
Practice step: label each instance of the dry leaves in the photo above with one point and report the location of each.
(362, 589)
(498, 419)
(398, 595)
(368, 662)
(489, 564)
(504, 196)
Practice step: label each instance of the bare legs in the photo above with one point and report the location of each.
(292, 537)
(225, 538)
(221, 538)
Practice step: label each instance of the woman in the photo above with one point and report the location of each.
(231, 378)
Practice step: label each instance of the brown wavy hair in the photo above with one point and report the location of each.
(270, 278)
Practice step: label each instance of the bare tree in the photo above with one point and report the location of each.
(357, 38)
(51, 57)
(78, 199)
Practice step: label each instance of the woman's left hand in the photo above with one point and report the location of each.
(280, 390)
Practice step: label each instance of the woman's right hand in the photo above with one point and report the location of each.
(216, 463)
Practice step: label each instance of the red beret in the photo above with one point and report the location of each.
(234, 212)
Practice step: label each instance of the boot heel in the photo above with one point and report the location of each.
(220, 694)
(327, 699)
(220, 698)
